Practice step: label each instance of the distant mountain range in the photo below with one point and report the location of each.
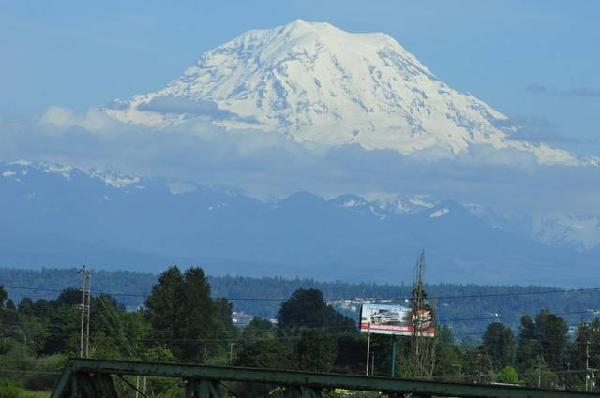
(54, 215)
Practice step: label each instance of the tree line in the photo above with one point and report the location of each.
(453, 301)
(181, 321)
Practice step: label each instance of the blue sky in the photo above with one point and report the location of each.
(537, 61)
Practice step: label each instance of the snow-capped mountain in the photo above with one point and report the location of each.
(576, 231)
(384, 206)
(19, 169)
(54, 215)
(317, 83)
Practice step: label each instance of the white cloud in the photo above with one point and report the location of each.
(269, 164)
(57, 120)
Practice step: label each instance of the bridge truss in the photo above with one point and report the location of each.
(86, 378)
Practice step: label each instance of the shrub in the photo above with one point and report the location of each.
(9, 389)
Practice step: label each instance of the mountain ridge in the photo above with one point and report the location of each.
(141, 226)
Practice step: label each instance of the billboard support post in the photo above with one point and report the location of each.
(368, 346)
(394, 349)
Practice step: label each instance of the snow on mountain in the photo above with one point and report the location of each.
(384, 206)
(404, 204)
(118, 180)
(579, 232)
(317, 83)
(439, 213)
(360, 205)
(575, 231)
(17, 170)
(54, 216)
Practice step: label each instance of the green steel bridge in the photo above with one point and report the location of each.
(91, 378)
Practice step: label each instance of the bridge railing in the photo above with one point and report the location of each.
(91, 378)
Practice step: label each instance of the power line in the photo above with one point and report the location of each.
(272, 299)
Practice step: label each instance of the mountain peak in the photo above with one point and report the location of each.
(301, 25)
(316, 83)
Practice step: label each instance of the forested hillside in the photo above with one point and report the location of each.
(465, 308)
(181, 322)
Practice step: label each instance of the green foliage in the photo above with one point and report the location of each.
(158, 353)
(540, 375)
(181, 310)
(315, 351)
(499, 342)
(31, 373)
(545, 337)
(552, 335)
(509, 375)
(498, 298)
(10, 389)
(449, 359)
(264, 352)
(258, 327)
(307, 309)
(351, 353)
(183, 322)
(43, 374)
(478, 366)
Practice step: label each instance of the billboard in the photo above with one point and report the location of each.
(395, 319)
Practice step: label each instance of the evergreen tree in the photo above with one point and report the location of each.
(529, 346)
(478, 366)
(449, 359)
(552, 335)
(181, 311)
(499, 342)
(307, 309)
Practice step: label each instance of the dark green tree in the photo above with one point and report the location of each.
(260, 347)
(552, 335)
(263, 352)
(62, 320)
(70, 296)
(3, 296)
(181, 312)
(449, 359)
(478, 366)
(542, 347)
(351, 353)
(529, 347)
(258, 327)
(587, 341)
(499, 342)
(307, 309)
(315, 351)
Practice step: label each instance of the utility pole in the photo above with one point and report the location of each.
(394, 349)
(587, 364)
(373, 364)
(89, 308)
(231, 345)
(85, 313)
(539, 370)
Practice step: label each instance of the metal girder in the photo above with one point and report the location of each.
(301, 382)
(303, 392)
(200, 388)
(94, 385)
(77, 384)
(65, 382)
